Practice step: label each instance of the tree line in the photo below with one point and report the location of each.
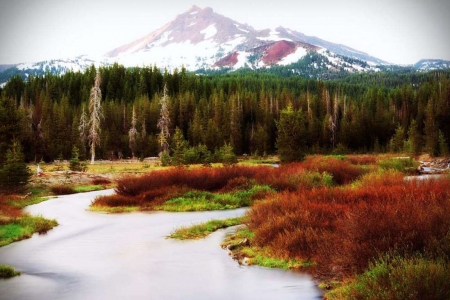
(252, 113)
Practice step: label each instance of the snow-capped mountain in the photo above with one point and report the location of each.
(432, 64)
(203, 39)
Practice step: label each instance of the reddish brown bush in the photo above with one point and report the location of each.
(344, 229)
(343, 171)
(101, 181)
(9, 212)
(361, 159)
(115, 201)
(205, 179)
(62, 190)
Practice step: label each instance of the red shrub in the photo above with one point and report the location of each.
(115, 201)
(343, 172)
(345, 229)
(62, 190)
(206, 179)
(361, 159)
(101, 181)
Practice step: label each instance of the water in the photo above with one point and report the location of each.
(127, 256)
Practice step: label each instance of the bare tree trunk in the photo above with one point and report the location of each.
(96, 114)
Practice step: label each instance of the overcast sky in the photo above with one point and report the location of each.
(397, 31)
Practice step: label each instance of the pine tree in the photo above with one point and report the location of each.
(95, 116)
(179, 147)
(291, 138)
(14, 174)
(83, 129)
(430, 128)
(414, 139)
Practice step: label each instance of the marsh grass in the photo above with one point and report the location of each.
(23, 227)
(8, 272)
(88, 188)
(198, 231)
(201, 201)
(397, 277)
(405, 165)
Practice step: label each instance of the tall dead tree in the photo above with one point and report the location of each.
(164, 122)
(95, 111)
(132, 133)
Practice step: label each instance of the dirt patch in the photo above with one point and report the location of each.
(70, 178)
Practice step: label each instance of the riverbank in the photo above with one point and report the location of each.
(311, 215)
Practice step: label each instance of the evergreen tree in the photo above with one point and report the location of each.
(443, 146)
(74, 163)
(14, 175)
(179, 147)
(291, 138)
(431, 129)
(83, 129)
(414, 139)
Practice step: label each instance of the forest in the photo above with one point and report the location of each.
(254, 113)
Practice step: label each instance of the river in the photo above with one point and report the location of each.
(127, 256)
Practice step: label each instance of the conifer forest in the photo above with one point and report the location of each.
(254, 113)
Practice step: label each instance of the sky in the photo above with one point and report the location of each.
(397, 31)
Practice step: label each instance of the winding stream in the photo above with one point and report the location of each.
(126, 256)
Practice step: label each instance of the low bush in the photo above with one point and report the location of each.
(62, 190)
(115, 201)
(201, 230)
(402, 164)
(8, 272)
(101, 181)
(342, 170)
(391, 278)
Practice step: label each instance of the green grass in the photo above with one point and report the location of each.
(8, 272)
(23, 228)
(202, 201)
(115, 209)
(405, 165)
(202, 230)
(397, 277)
(87, 188)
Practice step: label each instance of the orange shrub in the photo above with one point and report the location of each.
(344, 229)
(62, 190)
(361, 159)
(343, 171)
(206, 179)
(115, 201)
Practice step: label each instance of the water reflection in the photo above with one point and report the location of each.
(101, 256)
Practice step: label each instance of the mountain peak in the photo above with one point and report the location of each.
(194, 8)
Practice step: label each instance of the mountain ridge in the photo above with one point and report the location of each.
(202, 39)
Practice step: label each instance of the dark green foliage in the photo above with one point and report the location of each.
(291, 140)
(75, 164)
(358, 113)
(14, 174)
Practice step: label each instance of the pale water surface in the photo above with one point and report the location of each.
(127, 256)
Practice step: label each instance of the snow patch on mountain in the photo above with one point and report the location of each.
(209, 31)
(293, 57)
